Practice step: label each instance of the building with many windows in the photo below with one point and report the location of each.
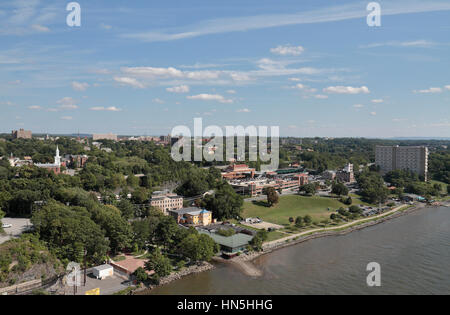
(21, 134)
(108, 136)
(192, 216)
(412, 158)
(166, 201)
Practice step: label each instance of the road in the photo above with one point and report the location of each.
(284, 239)
(18, 227)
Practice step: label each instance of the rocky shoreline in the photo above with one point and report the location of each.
(176, 276)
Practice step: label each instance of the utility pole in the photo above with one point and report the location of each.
(85, 265)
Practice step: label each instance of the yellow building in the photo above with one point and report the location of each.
(192, 216)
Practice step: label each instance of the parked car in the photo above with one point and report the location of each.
(6, 225)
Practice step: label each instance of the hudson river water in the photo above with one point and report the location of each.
(413, 251)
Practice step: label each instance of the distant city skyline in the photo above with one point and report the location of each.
(313, 68)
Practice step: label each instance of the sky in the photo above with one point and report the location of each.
(311, 67)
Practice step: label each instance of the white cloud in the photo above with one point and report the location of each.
(171, 73)
(321, 96)
(79, 86)
(179, 89)
(234, 92)
(287, 50)
(129, 81)
(40, 28)
(66, 117)
(294, 79)
(373, 113)
(417, 43)
(109, 109)
(447, 87)
(105, 26)
(358, 106)
(158, 100)
(377, 101)
(35, 107)
(322, 15)
(67, 103)
(239, 76)
(243, 110)
(431, 90)
(346, 90)
(210, 97)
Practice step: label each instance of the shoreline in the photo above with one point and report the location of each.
(298, 238)
(245, 264)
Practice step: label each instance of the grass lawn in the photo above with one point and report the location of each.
(292, 206)
(274, 235)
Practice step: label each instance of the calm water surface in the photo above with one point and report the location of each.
(413, 251)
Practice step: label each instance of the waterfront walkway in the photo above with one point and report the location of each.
(339, 227)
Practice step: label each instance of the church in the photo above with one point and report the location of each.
(55, 167)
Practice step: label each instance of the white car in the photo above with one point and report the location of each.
(6, 225)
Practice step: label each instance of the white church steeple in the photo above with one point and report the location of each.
(57, 157)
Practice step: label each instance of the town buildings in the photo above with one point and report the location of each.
(76, 161)
(21, 134)
(108, 136)
(54, 167)
(255, 187)
(346, 175)
(192, 216)
(165, 201)
(236, 171)
(412, 158)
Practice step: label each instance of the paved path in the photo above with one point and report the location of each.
(281, 240)
(18, 227)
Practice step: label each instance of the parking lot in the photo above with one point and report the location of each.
(18, 227)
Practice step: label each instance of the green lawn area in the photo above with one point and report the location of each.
(293, 206)
(274, 235)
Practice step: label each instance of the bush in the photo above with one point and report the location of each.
(141, 275)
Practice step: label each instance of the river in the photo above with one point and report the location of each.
(412, 250)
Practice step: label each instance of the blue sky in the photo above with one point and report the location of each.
(312, 67)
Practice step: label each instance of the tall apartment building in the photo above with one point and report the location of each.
(108, 136)
(413, 158)
(21, 134)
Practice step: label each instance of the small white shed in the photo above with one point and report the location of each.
(103, 271)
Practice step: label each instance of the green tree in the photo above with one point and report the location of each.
(2, 214)
(70, 230)
(355, 209)
(272, 196)
(307, 219)
(309, 189)
(339, 189)
(225, 203)
(159, 263)
(118, 230)
(165, 232)
(126, 208)
(299, 221)
(258, 240)
(140, 275)
(198, 247)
